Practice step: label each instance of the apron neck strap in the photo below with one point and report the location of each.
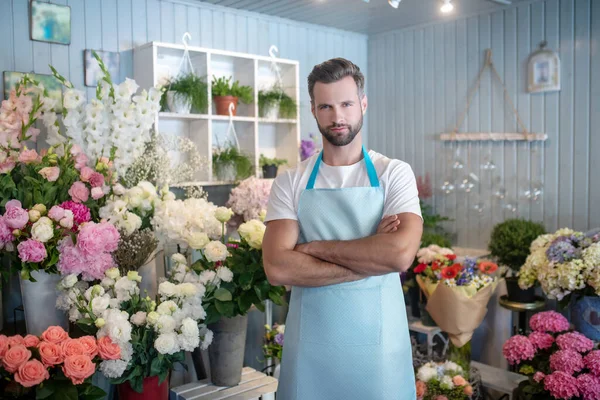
(368, 162)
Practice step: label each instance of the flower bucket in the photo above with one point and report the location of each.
(178, 103)
(39, 303)
(585, 315)
(151, 391)
(149, 273)
(226, 353)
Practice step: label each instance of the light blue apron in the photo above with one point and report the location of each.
(347, 341)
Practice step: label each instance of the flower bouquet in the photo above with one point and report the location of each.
(442, 381)
(560, 364)
(273, 341)
(308, 147)
(51, 366)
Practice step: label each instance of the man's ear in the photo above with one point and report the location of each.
(312, 109)
(364, 102)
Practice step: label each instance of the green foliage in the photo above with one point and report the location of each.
(276, 95)
(271, 161)
(232, 156)
(194, 88)
(223, 87)
(511, 239)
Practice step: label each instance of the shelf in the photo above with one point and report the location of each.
(277, 121)
(171, 115)
(202, 183)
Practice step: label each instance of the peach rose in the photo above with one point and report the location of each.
(51, 353)
(16, 340)
(78, 368)
(55, 334)
(421, 389)
(31, 341)
(3, 345)
(31, 373)
(15, 357)
(468, 390)
(107, 349)
(459, 380)
(50, 173)
(90, 346)
(72, 347)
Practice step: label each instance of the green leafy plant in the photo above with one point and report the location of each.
(191, 86)
(223, 87)
(511, 239)
(263, 161)
(232, 156)
(276, 95)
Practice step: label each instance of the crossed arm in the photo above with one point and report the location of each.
(391, 249)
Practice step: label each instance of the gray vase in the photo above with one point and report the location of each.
(226, 352)
(39, 303)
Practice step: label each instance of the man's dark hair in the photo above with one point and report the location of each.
(334, 70)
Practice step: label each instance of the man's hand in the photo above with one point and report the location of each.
(388, 224)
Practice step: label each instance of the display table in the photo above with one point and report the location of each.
(498, 379)
(415, 325)
(253, 386)
(521, 321)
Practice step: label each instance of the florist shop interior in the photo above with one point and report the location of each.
(150, 149)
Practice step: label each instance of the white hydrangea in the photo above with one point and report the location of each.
(113, 368)
(426, 373)
(446, 383)
(167, 343)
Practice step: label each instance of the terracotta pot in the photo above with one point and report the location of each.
(151, 390)
(222, 104)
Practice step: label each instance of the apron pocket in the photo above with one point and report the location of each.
(341, 317)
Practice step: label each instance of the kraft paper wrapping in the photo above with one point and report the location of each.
(454, 311)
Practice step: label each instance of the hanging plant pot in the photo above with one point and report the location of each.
(270, 111)
(226, 172)
(516, 294)
(269, 171)
(178, 102)
(222, 104)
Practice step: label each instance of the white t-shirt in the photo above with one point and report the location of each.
(395, 176)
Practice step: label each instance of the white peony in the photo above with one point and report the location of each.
(113, 368)
(34, 215)
(69, 281)
(167, 343)
(188, 343)
(253, 232)
(42, 230)
(224, 274)
(207, 277)
(207, 339)
(215, 251)
(187, 289)
(139, 318)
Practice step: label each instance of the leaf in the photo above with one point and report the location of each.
(225, 308)
(260, 306)
(46, 390)
(262, 290)
(93, 393)
(246, 279)
(223, 294)
(276, 298)
(66, 392)
(156, 367)
(162, 376)
(246, 300)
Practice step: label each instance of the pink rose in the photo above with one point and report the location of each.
(86, 174)
(97, 193)
(16, 340)
(15, 217)
(72, 347)
(107, 349)
(56, 213)
(32, 251)
(28, 156)
(55, 334)
(15, 357)
(31, 373)
(459, 380)
(97, 179)
(50, 353)
(3, 345)
(79, 192)
(80, 161)
(50, 173)
(90, 345)
(78, 368)
(31, 341)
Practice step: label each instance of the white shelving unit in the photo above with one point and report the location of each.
(155, 62)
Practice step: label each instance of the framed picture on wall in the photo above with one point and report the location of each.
(50, 22)
(543, 71)
(51, 84)
(92, 69)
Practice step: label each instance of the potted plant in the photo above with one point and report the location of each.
(186, 93)
(509, 244)
(224, 93)
(270, 166)
(229, 164)
(275, 103)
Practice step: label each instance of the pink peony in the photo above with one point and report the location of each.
(56, 213)
(539, 376)
(81, 213)
(86, 173)
(97, 179)
(50, 173)
(32, 251)
(518, 348)
(15, 217)
(97, 193)
(81, 161)
(574, 341)
(96, 238)
(589, 387)
(79, 192)
(95, 266)
(71, 260)
(592, 362)
(561, 385)
(549, 321)
(568, 361)
(6, 235)
(29, 156)
(541, 340)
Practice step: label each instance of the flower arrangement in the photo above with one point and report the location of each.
(437, 381)
(560, 364)
(273, 341)
(148, 337)
(308, 147)
(565, 263)
(250, 198)
(52, 365)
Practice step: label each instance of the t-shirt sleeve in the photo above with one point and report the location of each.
(281, 199)
(402, 194)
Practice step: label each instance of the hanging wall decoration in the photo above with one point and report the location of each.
(543, 70)
(50, 22)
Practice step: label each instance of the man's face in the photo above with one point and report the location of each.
(338, 110)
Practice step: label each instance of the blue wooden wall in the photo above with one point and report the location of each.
(121, 25)
(419, 80)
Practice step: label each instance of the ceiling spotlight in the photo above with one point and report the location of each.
(394, 3)
(447, 6)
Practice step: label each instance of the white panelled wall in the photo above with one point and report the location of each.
(419, 80)
(121, 25)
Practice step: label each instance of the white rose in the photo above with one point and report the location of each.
(134, 276)
(99, 304)
(167, 289)
(253, 232)
(42, 230)
(166, 343)
(224, 274)
(197, 240)
(215, 251)
(223, 214)
(112, 273)
(69, 281)
(178, 258)
(139, 318)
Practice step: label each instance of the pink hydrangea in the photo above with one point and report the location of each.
(539, 376)
(574, 341)
(589, 387)
(549, 321)
(561, 385)
(15, 217)
(97, 238)
(79, 192)
(518, 348)
(32, 251)
(250, 197)
(541, 340)
(592, 362)
(568, 361)
(81, 213)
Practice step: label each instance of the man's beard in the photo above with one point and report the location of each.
(341, 140)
